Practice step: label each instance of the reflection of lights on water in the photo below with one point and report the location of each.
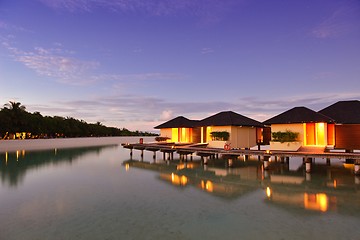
(208, 186)
(55, 151)
(268, 192)
(127, 167)
(177, 180)
(318, 201)
(185, 165)
(17, 155)
(6, 158)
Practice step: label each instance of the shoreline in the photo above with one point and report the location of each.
(43, 144)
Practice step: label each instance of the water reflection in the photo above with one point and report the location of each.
(14, 165)
(327, 188)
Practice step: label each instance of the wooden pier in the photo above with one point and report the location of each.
(185, 150)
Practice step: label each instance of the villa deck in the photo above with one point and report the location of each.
(204, 151)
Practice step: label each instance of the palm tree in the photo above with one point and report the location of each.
(15, 106)
(17, 113)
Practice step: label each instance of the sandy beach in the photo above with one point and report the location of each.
(41, 144)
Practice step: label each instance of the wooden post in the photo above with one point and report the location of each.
(266, 162)
(205, 160)
(357, 167)
(328, 161)
(357, 180)
(308, 165)
(230, 162)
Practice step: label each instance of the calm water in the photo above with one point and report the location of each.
(98, 193)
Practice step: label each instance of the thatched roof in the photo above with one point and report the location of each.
(229, 118)
(298, 115)
(178, 122)
(345, 112)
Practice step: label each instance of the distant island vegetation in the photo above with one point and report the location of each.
(17, 123)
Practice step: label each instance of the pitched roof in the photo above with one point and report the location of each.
(298, 115)
(229, 118)
(343, 111)
(177, 123)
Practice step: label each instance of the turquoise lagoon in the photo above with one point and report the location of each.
(100, 193)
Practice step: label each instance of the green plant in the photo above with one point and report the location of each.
(220, 136)
(287, 136)
(161, 139)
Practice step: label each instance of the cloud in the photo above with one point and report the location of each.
(206, 50)
(3, 25)
(6, 26)
(139, 77)
(144, 112)
(323, 76)
(208, 10)
(166, 115)
(343, 20)
(61, 65)
(53, 62)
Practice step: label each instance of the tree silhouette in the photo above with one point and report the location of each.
(15, 119)
(15, 106)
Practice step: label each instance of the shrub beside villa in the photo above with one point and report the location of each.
(285, 140)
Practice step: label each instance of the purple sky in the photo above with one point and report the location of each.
(138, 63)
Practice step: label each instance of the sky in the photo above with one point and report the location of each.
(137, 63)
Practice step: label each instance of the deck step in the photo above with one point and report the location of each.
(312, 149)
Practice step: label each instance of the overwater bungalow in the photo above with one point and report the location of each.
(346, 115)
(230, 128)
(300, 127)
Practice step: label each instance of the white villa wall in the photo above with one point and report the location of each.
(166, 132)
(240, 137)
(246, 137)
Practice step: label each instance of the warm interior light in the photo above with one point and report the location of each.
(174, 135)
(320, 134)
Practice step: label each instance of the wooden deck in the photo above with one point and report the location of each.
(204, 151)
